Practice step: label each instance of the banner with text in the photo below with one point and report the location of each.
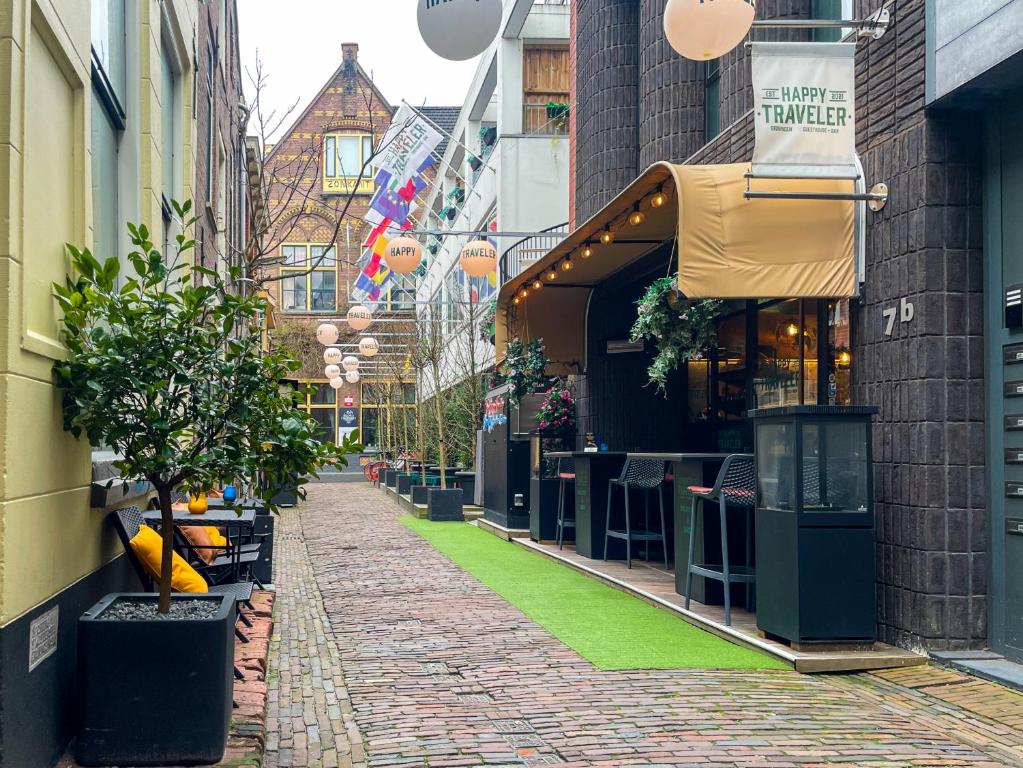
(804, 110)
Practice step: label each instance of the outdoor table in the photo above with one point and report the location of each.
(592, 471)
(243, 519)
(244, 503)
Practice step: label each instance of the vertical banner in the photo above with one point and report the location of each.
(405, 155)
(804, 110)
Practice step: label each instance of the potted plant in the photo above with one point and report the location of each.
(488, 323)
(162, 368)
(680, 330)
(524, 368)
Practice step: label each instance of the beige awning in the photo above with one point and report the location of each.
(728, 247)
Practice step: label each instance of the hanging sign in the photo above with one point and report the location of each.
(804, 110)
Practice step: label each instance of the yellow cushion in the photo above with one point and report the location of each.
(218, 539)
(148, 547)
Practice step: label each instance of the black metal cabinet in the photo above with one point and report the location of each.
(506, 463)
(815, 524)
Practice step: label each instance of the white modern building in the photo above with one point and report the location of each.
(504, 171)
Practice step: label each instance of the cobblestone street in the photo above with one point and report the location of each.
(387, 654)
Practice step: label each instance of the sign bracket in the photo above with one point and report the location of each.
(872, 27)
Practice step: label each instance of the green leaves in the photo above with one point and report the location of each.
(525, 367)
(681, 330)
(164, 370)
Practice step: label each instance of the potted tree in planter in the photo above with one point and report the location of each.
(162, 367)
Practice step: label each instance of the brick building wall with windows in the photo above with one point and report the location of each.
(638, 102)
(220, 115)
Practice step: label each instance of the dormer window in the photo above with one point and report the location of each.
(344, 155)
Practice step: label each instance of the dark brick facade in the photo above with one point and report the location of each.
(220, 194)
(925, 246)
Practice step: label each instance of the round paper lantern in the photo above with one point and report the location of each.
(337, 383)
(459, 29)
(332, 355)
(352, 377)
(359, 317)
(706, 29)
(403, 255)
(350, 363)
(327, 334)
(478, 258)
(331, 372)
(368, 346)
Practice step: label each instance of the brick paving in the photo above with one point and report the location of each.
(387, 654)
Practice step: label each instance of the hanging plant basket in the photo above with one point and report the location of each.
(557, 110)
(681, 330)
(525, 368)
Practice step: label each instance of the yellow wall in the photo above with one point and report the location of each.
(49, 537)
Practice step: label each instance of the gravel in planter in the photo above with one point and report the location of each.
(143, 610)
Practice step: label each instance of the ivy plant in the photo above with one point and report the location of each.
(681, 330)
(164, 367)
(524, 367)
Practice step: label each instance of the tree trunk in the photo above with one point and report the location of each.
(167, 556)
(438, 407)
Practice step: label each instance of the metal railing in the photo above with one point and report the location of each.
(526, 251)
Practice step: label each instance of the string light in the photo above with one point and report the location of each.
(637, 217)
(537, 285)
(566, 265)
(844, 358)
(659, 199)
(553, 274)
(607, 236)
(516, 300)
(523, 293)
(587, 251)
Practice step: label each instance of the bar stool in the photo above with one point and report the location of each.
(566, 476)
(645, 475)
(735, 485)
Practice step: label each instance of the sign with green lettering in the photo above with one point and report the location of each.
(804, 109)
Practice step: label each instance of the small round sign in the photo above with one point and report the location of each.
(478, 258)
(352, 377)
(368, 346)
(327, 334)
(459, 29)
(359, 318)
(403, 255)
(332, 355)
(350, 363)
(331, 372)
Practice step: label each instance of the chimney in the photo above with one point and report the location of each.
(350, 51)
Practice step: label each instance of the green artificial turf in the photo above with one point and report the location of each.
(612, 629)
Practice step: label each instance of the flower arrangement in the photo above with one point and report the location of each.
(524, 367)
(488, 323)
(556, 416)
(681, 330)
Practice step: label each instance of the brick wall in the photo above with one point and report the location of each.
(218, 216)
(927, 378)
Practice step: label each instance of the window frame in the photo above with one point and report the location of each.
(306, 270)
(333, 180)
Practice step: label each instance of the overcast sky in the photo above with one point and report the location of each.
(299, 43)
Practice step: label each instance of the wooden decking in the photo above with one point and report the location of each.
(652, 583)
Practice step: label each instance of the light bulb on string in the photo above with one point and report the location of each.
(607, 236)
(537, 285)
(566, 265)
(637, 217)
(552, 274)
(587, 251)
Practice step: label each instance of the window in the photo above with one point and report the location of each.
(831, 9)
(712, 100)
(344, 155)
(308, 278)
(170, 138)
(210, 80)
(388, 419)
(108, 121)
(322, 406)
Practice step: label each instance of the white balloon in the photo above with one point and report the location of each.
(327, 334)
(337, 383)
(350, 363)
(368, 346)
(332, 355)
(702, 30)
(352, 377)
(331, 372)
(359, 317)
(459, 29)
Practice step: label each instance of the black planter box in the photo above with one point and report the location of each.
(444, 505)
(405, 484)
(543, 509)
(467, 482)
(420, 493)
(390, 477)
(154, 692)
(285, 497)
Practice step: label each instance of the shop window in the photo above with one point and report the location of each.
(308, 278)
(712, 99)
(839, 380)
(344, 157)
(788, 348)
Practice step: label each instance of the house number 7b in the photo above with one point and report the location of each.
(905, 312)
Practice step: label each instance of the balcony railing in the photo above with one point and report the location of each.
(539, 119)
(527, 251)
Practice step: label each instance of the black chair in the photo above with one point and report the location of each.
(566, 477)
(735, 486)
(645, 475)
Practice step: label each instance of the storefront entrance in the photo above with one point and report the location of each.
(1003, 246)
